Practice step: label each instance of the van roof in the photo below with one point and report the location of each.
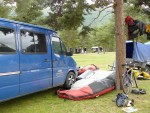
(27, 24)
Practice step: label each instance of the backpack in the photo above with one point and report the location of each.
(121, 100)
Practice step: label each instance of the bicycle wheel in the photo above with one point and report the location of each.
(147, 69)
(126, 84)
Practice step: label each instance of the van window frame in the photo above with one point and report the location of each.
(33, 53)
(15, 52)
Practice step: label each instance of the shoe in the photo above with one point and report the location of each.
(142, 91)
(135, 91)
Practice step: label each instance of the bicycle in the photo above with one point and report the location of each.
(129, 80)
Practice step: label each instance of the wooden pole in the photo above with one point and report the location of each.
(120, 42)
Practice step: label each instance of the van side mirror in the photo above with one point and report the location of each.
(70, 53)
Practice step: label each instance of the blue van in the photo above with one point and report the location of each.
(32, 58)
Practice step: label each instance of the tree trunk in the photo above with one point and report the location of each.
(120, 42)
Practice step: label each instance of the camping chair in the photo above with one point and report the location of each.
(112, 67)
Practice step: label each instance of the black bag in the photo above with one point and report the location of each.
(121, 100)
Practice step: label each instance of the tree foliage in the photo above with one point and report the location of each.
(4, 9)
(70, 38)
(139, 6)
(135, 9)
(104, 36)
(69, 14)
(28, 11)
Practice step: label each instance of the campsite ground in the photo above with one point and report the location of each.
(48, 102)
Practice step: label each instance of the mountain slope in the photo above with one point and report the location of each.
(101, 20)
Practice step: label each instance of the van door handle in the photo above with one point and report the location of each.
(46, 60)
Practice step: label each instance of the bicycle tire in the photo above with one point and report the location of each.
(147, 69)
(126, 84)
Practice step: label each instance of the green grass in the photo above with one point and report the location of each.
(48, 102)
(101, 60)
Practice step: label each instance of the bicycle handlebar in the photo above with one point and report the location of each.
(132, 64)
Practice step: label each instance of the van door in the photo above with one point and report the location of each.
(35, 60)
(9, 61)
(60, 67)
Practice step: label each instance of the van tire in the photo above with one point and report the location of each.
(70, 79)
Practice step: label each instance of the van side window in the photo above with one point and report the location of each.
(33, 43)
(56, 45)
(7, 40)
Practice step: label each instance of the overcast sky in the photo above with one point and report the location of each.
(90, 1)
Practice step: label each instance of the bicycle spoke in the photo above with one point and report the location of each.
(126, 84)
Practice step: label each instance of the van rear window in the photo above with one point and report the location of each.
(7, 40)
(33, 43)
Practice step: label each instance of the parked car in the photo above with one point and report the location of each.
(96, 49)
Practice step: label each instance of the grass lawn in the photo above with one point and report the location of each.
(101, 60)
(48, 102)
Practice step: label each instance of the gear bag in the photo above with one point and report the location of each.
(121, 100)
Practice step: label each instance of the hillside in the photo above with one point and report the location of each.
(101, 20)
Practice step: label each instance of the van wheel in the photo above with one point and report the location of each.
(70, 79)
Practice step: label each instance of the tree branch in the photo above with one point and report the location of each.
(100, 14)
(105, 15)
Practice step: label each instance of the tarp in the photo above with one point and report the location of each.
(138, 51)
(141, 52)
(90, 87)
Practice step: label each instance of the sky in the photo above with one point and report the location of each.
(90, 1)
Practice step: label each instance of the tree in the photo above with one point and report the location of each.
(120, 41)
(4, 9)
(104, 36)
(28, 11)
(69, 14)
(63, 14)
(138, 14)
(69, 37)
(139, 9)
